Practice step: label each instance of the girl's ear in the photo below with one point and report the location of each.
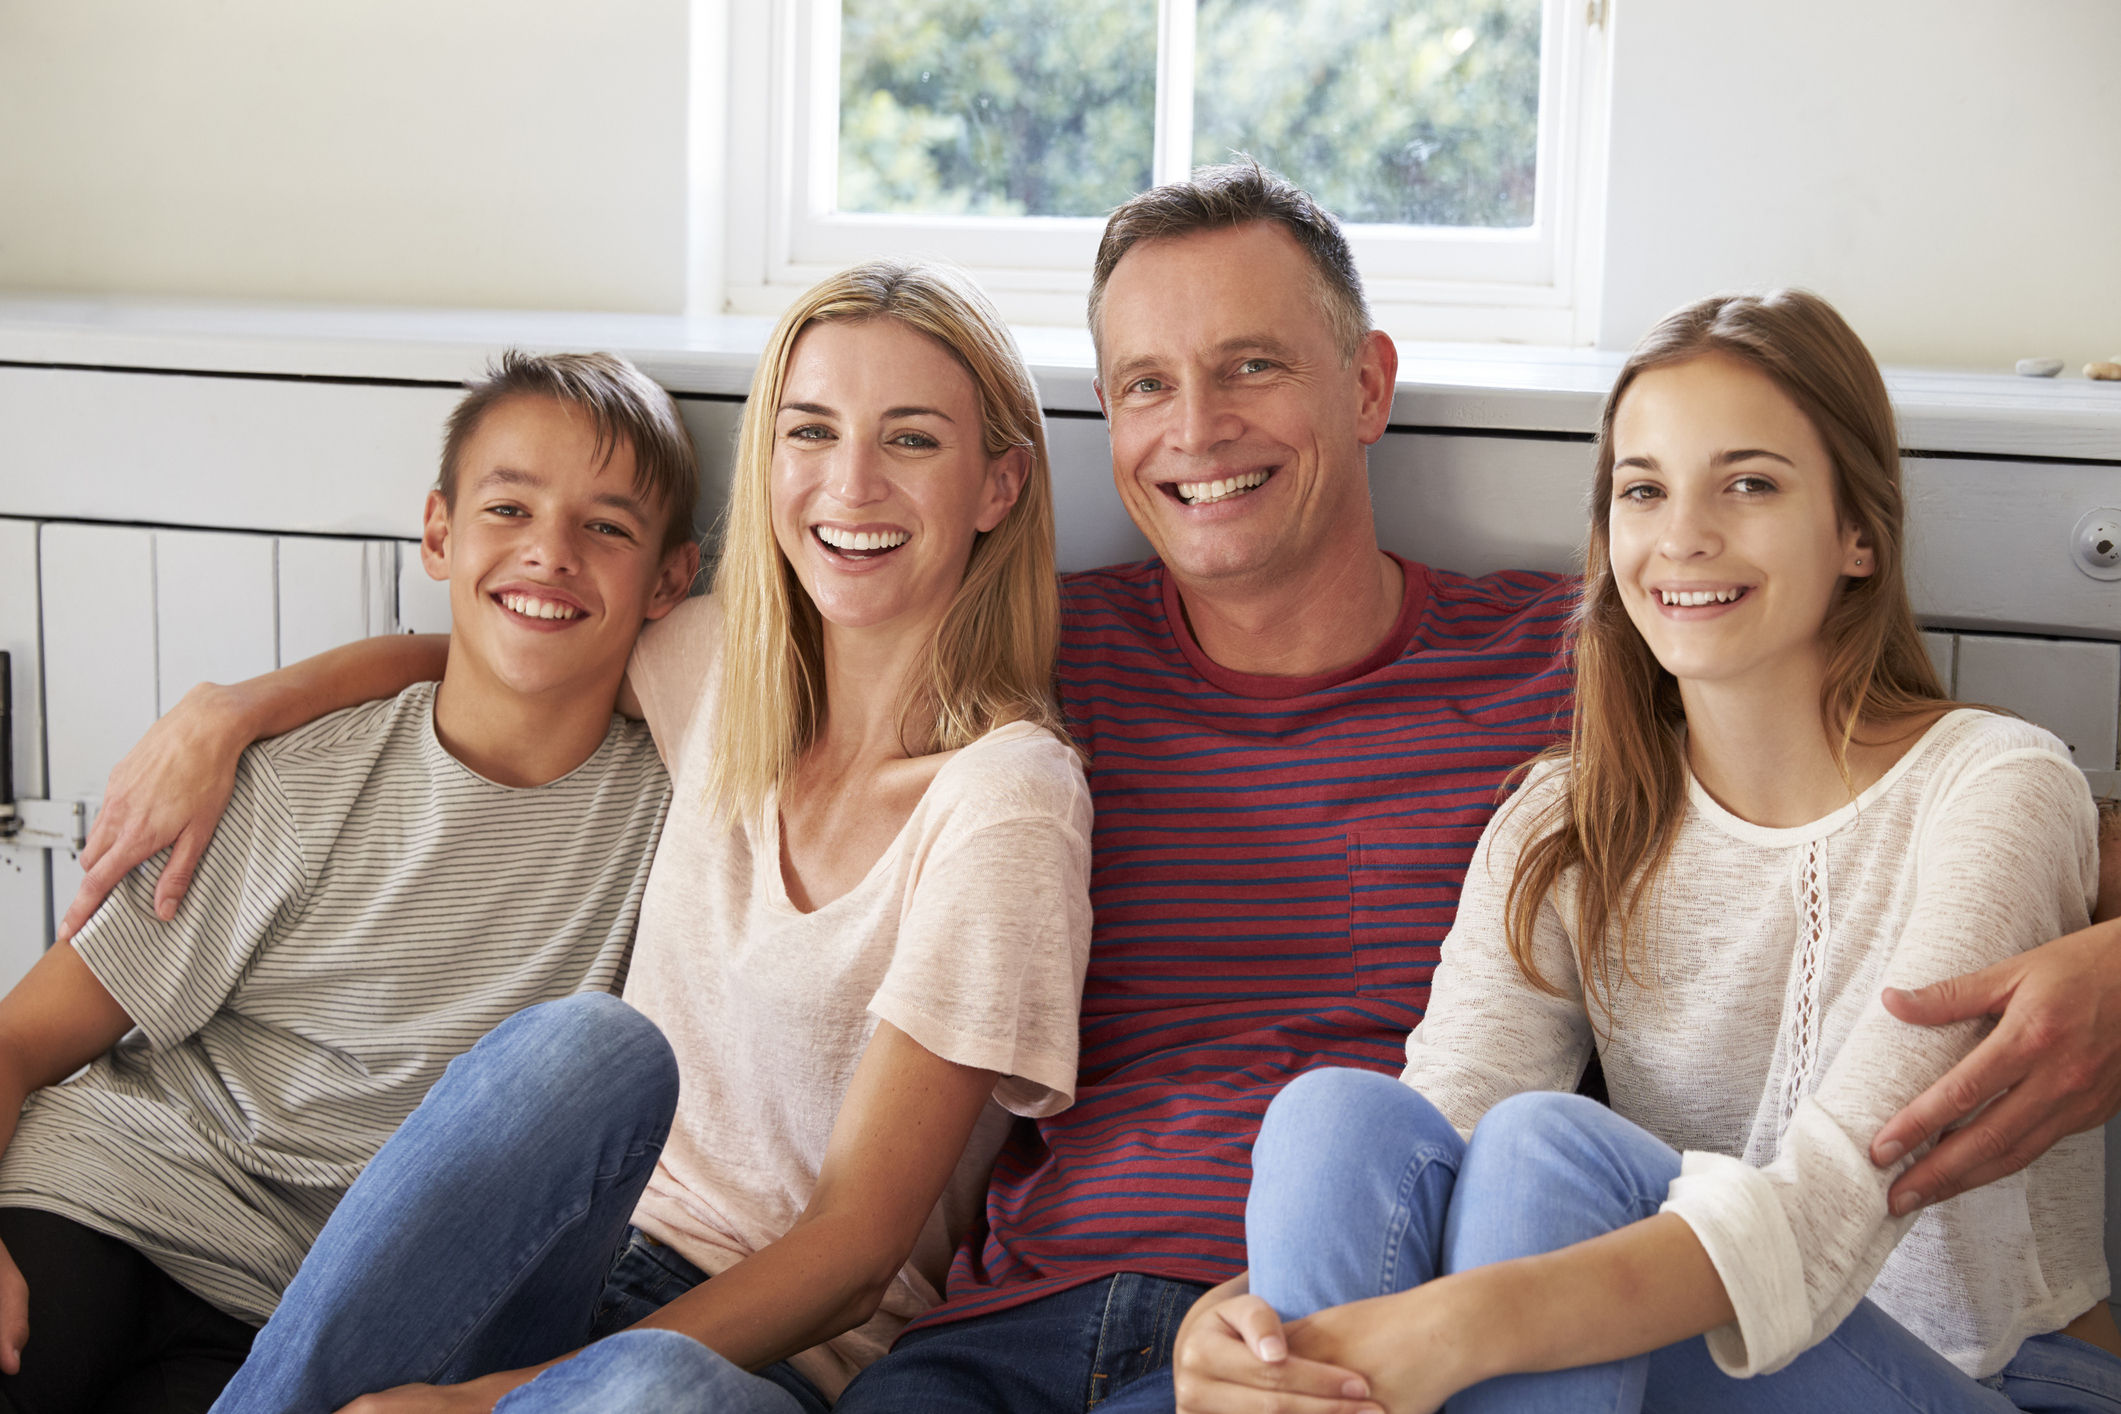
(1857, 559)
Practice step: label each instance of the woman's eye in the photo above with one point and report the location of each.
(809, 433)
(918, 440)
(1753, 485)
(1641, 491)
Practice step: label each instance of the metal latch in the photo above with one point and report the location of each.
(45, 824)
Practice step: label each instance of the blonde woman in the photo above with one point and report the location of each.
(1767, 815)
(865, 925)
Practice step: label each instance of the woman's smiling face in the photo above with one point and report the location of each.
(1728, 541)
(880, 476)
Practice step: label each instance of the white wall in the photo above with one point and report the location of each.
(513, 153)
(1948, 172)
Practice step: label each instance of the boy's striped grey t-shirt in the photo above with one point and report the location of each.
(368, 909)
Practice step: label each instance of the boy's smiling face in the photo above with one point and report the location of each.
(554, 557)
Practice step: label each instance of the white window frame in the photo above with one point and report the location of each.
(1530, 285)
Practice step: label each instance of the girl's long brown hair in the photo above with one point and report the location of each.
(1626, 771)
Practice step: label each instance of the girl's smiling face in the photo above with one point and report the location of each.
(880, 475)
(1727, 538)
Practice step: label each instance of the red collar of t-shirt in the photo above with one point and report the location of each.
(1394, 645)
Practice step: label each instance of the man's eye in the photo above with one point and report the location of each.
(1255, 365)
(507, 511)
(605, 527)
(1146, 385)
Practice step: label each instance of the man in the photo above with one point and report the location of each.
(388, 885)
(1295, 742)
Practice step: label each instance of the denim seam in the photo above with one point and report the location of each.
(530, 1263)
(1091, 1397)
(1856, 1353)
(1403, 1214)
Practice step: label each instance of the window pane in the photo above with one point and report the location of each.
(1423, 114)
(968, 107)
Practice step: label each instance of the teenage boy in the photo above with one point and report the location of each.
(388, 885)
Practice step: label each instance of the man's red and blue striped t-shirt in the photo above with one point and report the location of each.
(1274, 865)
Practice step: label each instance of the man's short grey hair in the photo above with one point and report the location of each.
(1237, 194)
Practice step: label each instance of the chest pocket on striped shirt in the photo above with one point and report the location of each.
(1402, 891)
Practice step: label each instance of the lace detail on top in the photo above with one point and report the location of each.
(1813, 911)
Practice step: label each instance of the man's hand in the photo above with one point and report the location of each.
(169, 791)
(14, 1314)
(2057, 1050)
(1232, 1358)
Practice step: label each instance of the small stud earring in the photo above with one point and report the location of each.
(1859, 559)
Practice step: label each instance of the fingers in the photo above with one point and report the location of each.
(96, 884)
(2009, 1135)
(183, 863)
(14, 1315)
(1989, 1069)
(1957, 998)
(1258, 1325)
(1220, 1369)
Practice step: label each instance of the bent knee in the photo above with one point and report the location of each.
(588, 1044)
(1322, 1113)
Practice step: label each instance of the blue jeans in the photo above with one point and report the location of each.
(482, 1238)
(1360, 1188)
(1105, 1345)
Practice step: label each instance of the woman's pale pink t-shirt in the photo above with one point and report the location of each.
(970, 934)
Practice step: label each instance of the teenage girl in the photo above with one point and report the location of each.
(1766, 815)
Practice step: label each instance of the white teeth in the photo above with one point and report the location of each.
(531, 608)
(1695, 598)
(1202, 493)
(862, 539)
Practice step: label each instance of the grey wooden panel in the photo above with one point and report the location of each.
(1943, 649)
(216, 616)
(1481, 504)
(1091, 527)
(713, 424)
(2071, 687)
(241, 453)
(1989, 546)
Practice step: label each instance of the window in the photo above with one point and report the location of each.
(1452, 136)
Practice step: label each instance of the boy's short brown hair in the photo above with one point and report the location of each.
(627, 407)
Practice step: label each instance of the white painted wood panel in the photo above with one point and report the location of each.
(423, 603)
(324, 599)
(99, 650)
(714, 423)
(24, 925)
(2071, 687)
(215, 610)
(23, 919)
(236, 453)
(19, 639)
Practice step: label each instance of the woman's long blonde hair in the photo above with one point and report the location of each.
(1626, 758)
(991, 660)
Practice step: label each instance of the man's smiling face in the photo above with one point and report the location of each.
(1237, 427)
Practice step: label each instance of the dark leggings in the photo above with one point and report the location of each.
(109, 1331)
